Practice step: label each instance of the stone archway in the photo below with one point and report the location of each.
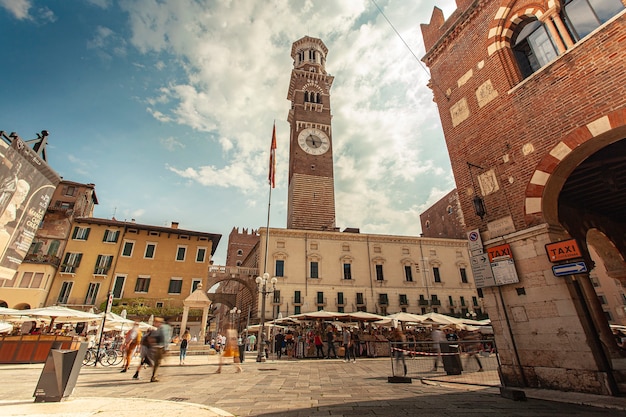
(579, 190)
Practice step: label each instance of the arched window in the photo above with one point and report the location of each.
(533, 46)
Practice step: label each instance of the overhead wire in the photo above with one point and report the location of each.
(419, 61)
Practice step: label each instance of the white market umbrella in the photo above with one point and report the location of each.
(440, 319)
(5, 327)
(363, 316)
(5, 311)
(62, 314)
(322, 314)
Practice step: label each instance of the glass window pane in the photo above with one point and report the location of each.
(606, 9)
(581, 16)
(542, 46)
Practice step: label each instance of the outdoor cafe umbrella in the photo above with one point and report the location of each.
(5, 311)
(363, 316)
(321, 314)
(62, 314)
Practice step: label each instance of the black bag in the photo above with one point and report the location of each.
(183, 343)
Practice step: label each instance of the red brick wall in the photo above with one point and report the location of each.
(581, 86)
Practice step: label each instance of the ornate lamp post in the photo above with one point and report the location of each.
(471, 315)
(261, 283)
(234, 316)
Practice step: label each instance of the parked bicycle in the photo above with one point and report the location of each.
(104, 356)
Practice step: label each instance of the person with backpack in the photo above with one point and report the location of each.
(184, 343)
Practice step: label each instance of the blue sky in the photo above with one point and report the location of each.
(167, 106)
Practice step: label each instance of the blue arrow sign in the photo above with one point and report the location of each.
(569, 269)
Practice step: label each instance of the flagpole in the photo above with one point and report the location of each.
(262, 282)
(267, 229)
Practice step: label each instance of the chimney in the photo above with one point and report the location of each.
(174, 225)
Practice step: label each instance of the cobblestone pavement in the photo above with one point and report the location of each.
(291, 388)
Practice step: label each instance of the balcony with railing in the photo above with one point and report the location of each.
(297, 301)
(341, 302)
(40, 258)
(321, 301)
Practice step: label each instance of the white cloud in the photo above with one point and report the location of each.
(234, 68)
(18, 8)
(171, 144)
(23, 10)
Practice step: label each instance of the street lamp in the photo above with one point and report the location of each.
(261, 283)
(471, 315)
(234, 315)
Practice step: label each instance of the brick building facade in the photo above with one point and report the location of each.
(533, 109)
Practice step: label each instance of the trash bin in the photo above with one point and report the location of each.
(59, 374)
(242, 352)
(451, 359)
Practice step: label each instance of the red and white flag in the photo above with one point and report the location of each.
(272, 174)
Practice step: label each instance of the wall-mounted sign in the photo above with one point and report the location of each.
(475, 242)
(569, 269)
(481, 270)
(564, 250)
(504, 272)
(500, 252)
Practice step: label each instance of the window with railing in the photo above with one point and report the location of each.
(404, 300)
(103, 263)
(320, 297)
(297, 297)
(276, 297)
(340, 298)
(71, 262)
(360, 300)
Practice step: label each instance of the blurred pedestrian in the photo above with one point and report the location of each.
(184, 344)
(132, 339)
(231, 349)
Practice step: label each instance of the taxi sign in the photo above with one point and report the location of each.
(564, 250)
(500, 252)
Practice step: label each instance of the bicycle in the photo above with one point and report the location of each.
(106, 357)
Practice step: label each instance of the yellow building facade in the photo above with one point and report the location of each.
(141, 265)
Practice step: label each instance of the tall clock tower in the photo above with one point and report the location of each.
(311, 201)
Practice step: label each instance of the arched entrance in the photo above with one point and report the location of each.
(585, 196)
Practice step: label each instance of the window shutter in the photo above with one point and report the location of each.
(78, 258)
(75, 232)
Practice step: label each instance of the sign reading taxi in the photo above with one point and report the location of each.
(562, 251)
(500, 252)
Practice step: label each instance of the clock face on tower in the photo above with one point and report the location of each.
(314, 141)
